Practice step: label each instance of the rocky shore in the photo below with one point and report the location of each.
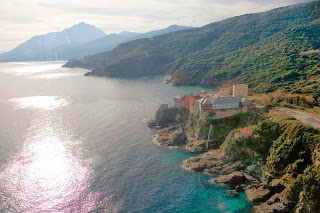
(175, 128)
(261, 191)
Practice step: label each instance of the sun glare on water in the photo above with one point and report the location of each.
(39, 102)
(49, 174)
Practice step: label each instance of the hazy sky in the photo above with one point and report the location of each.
(22, 19)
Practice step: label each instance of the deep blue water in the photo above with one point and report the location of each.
(70, 143)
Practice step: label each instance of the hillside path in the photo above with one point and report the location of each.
(307, 118)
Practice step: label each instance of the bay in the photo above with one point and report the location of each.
(70, 143)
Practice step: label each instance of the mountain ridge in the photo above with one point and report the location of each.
(197, 56)
(50, 46)
(74, 42)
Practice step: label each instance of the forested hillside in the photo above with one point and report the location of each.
(278, 47)
(288, 60)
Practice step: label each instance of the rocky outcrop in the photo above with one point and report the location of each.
(214, 162)
(176, 127)
(171, 136)
(267, 196)
(196, 145)
(206, 160)
(225, 168)
(233, 179)
(263, 192)
(258, 195)
(274, 208)
(169, 117)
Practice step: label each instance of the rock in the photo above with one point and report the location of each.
(274, 208)
(196, 146)
(197, 166)
(258, 195)
(220, 167)
(249, 178)
(274, 199)
(251, 168)
(232, 192)
(276, 186)
(165, 117)
(234, 179)
(171, 136)
(254, 170)
(178, 137)
(280, 207)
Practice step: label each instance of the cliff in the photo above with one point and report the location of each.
(277, 166)
(176, 123)
(278, 170)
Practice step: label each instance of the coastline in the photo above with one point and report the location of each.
(261, 191)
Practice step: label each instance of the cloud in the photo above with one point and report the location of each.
(20, 19)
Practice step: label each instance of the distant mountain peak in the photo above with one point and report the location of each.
(173, 25)
(53, 46)
(76, 41)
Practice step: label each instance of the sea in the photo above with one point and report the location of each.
(70, 143)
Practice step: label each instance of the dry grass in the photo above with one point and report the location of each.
(310, 52)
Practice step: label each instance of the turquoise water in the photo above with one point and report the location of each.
(70, 143)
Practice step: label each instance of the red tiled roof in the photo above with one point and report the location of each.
(189, 101)
(247, 130)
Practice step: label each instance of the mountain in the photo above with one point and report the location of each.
(52, 46)
(223, 51)
(111, 41)
(75, 42)
(103, 44)
(171, 28)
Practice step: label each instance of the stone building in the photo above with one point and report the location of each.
(221, 106)
(186, 100)
(178, 101)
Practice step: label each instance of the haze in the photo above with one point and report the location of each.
(20, 20)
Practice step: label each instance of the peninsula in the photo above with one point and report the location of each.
(271, 157)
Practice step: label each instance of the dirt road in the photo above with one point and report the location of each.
(307, 118)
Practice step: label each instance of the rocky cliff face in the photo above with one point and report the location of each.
(278, 169)
(170, 123)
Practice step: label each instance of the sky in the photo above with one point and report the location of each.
(22, 19)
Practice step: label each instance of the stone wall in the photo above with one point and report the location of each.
(222, 113)
(226, 90)
(178, 104)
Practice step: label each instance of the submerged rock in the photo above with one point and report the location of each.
(232, 192)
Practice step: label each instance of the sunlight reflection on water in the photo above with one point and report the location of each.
(49, 174)
(40, 102)
(54, 75)
(27, 70)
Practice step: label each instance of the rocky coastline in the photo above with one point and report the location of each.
(175, 129)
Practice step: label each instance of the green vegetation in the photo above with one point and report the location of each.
(222, 127)
(290, 151)
(280, 98)
(288, 60)
(275, 49)
(253, 149)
